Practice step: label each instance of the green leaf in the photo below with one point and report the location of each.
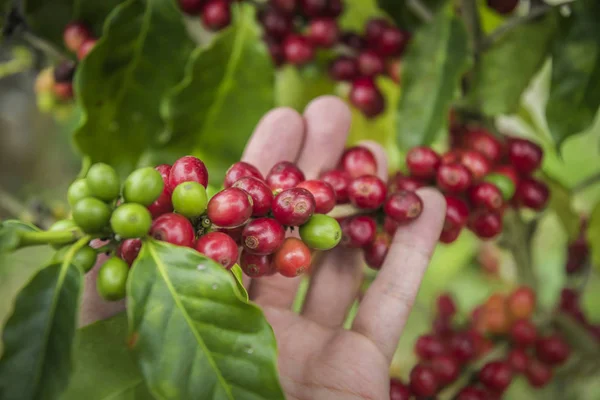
(507, 68)
(593, 236)
(227, 88)
(196, 337)
(578, 336)
(296, 87)
(9, 233)
(237, 273)
(575, 86)
(402, 13)
(435, 61)
(358, 12)
(121, 83)
(104, 367)
(561, 203)
(38, 337)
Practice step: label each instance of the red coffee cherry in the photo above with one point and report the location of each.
(457, 213)
(428, 346)
(445, 305)
(398, 390)
(453, 178)
(284, 175)
(462, 347)
(339, 181)
(518, 360)
(485, 195)
(292, 258)
(334, 8)
(353, 40)
(173, 228)
(422, 162)
(275, 50)
(323, 32)
(323, 194)
(496, 376)
(75, 34)
(276, 24)
(449, 235)
(85, 48)
(262, 236)
(472, 393)
(187, 169)
(255, 265)
(63, 91)
(523, 333)
(538, 374)
(293, 207)
(314, 8)
(162, 205)
(63, 72)
(521, 302)
(577, 254)
(365, 96)
(358, 231)
(485, 143)
(423, 381)
(390, 226)
(165, 171)
(476, 163)
(524, 155)
(503, 6)
(230, 208)
(358, 161)
(394, 70)
(241, 170)
(129, 250)
(442, 327)
(403, 206)
(376, 251)
(532, 193)
(552, 350)
(343, 68)
(219, 247)
(370, 64)
(399, 182)
(374, 29)
(485, 224)
(392, 42)
(297, 50)
(216, 14)
(191, 7)
(234, 233)
(368, 192)
(286, 6)
(261, 194)
(446, 369)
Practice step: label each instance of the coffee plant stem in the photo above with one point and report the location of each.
(472, 20)
(420, 10)
(44, 46)
(27, 238)
(14, 207)
(587, 183)
(518, 241)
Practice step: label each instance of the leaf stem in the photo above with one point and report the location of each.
(518, 239)
(472, 20)
(27, 238)
(420, 10)
(44, 46)
(586, 183)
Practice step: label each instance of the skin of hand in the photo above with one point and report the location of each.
(318, 358)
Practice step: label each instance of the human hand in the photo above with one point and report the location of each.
(318, 358)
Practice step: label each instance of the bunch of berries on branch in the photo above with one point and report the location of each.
(480, 176)
(295, 29)
(502, 323)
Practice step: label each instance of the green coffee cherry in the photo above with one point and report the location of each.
(131, 220)
(504, 183)
(103, 181)
(321, 232)
(143, 186)
(91, 215)
(77, 191)
(111, 282)
(190, 199)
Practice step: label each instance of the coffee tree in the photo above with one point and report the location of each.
(492, 102)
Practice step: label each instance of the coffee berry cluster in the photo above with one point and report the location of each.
(480, 176)
(58, 80)
(295, 29)
(450, 349)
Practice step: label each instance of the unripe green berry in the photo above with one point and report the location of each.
(143, 186)
(91, 215)
(131, 220)
(84, 258)
(502, 182)
(103, 181)
(321, 232)
(111, 283)
(77, 191)
(190, 199)
(63, 225)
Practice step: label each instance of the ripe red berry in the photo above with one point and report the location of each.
(275, 50)
(255, 265)
(521, 302)
(398, 390)
(191, 7)
(286, 6)
(423, 381)
(298, 50)
(537, 373)
(485, 143)
(374, 29)
(129, 250)
(263, 236)
(293, 207)
(368, 192)
(162, 205)
(343, 68)
(524, 155)
(219, 247)
(532, 193)
(400, 182)
(284, 175)
(476, 163)
(446, 369)
(85, 48)
(453, 178)
(314, 8)
(339, 181)
(187, 169)
(322, 192)
(445, 305)
(442, 327)
(509, 172)
(462, 347)
(485, 195)
(353, 40)
(365, 96)
(75, 34)
(370, 64)
(165, 171)
(358, 231)
(276, 24)
(523, 333)
(63, 72)
(240, 170)
(216, 14)
(503, 6)
(390, 226)
(376, 251)
(485, 224)
(262, 196)
(292, 258)
(457, 213)
(496, 376)
(428, 346)
(234, 233)
(569, 299)
(334, 8)
(358, 161)
(422, 162)
(230, 208)
(552, 350)
(173, 228)
(449, 235)
(64, 90)
(392, 42)
(472, 393)
(518, 360)
(403, 206)
(323, 32)
(577, 255)
(394, 70)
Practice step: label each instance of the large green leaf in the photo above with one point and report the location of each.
(561, 203)
(104, 367)
(575, 88)
(357, 13)
(593, 236)
(404, 15)
(507, 68)
(227, 88)
(38, 337)
(436, 59)
(195, 336)
(121, 83)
